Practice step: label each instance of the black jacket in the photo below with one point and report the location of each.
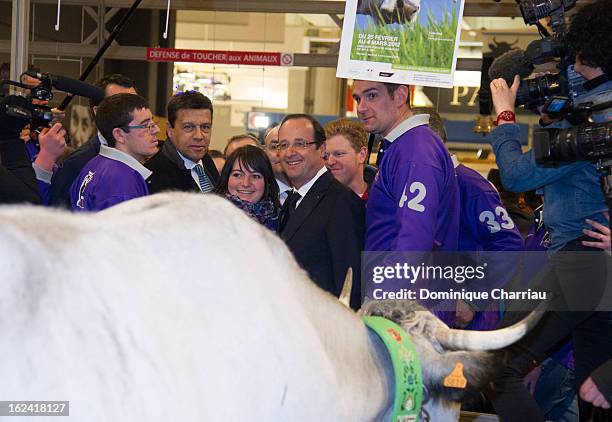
(17, 179)
(326, 235)
(71, 168)
(169, 172)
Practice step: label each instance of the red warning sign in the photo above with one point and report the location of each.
(256, 58)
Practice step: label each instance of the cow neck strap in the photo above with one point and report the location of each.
(406, 368)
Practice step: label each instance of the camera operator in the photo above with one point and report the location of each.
(17, 177)
(572, 194)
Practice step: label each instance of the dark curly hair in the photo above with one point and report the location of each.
(589, 35)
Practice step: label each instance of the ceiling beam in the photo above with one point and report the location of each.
(472, 8)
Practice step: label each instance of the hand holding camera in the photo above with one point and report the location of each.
(52, 145)
(503, 95)
(12, 119)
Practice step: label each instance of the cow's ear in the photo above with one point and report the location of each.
(361, 311)
(347, 288)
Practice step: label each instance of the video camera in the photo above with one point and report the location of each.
(533, 93)
(25, 103)
(556, 94)
(589, 139)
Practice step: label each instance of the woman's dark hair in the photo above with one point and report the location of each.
(255, 159)
(589, 35)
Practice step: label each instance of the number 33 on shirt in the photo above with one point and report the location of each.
(491, 220)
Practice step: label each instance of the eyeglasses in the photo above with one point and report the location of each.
(297, 144)
(151, 126)
(273, 146)
(190, 127)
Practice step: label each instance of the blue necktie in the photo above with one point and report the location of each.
(205, 184)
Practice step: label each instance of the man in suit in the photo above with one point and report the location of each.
(63, 178)
(322, 221)
(183, 162)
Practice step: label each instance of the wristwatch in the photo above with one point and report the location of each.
(505, 116)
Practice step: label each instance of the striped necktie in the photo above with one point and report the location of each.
(205, 184)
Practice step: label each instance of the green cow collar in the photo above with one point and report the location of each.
(406, 368)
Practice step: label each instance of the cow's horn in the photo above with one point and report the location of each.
(347, 287)
(489, 340)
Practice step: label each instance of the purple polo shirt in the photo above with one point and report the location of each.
(108, 179)
(485, 223)
(413, 204)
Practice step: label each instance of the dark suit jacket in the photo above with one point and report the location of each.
(17, 179)
(326, 235)
(169, 172)
(64, 176)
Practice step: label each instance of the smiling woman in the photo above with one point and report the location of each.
(247, 180)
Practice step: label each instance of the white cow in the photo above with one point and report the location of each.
(178, 307)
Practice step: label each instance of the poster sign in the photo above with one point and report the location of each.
(256, 58)
(401, 41)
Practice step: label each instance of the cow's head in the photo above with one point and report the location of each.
(441, 349)
(391, 11)
(405, 11)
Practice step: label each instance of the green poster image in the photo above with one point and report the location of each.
(405, 41)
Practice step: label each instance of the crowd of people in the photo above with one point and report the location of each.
(314, 187)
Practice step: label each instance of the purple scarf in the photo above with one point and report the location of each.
(263, 211)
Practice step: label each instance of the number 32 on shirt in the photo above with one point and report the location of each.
(494, 226)
(418, 192)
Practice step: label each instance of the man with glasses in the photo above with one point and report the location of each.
(183, 163)
(116, 175)
(64, 176)
(322, 221)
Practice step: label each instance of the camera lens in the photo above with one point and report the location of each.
(535, 91)
(584, 142)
